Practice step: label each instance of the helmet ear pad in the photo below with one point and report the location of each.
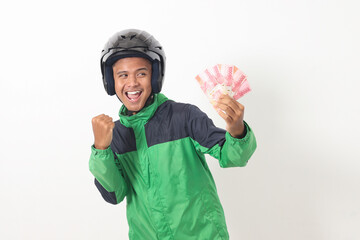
(109, 80)
(156, 81)
(109, 83)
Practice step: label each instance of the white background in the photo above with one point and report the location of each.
(302, 61)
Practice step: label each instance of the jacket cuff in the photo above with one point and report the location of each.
(234, 140)
(100, 152)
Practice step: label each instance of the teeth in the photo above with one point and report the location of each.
(136, 92)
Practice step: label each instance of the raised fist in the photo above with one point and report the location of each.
(103, 126)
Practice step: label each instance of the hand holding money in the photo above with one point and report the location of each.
(233, 114)
(223, 84)
(103, 126)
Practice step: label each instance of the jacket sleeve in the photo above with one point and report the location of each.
(109, 177)
(208, 139)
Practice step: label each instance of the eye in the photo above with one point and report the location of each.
(141, 74)
(123, 75)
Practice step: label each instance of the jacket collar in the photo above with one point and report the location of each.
(144, 114)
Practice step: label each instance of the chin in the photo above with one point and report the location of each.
(134, 108)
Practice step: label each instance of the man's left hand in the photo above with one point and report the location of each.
(233, 114)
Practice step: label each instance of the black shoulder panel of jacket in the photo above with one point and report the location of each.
(203, 130)
(109, 197)
(123, 139)
(173, 121)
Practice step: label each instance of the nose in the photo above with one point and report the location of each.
(132, 80)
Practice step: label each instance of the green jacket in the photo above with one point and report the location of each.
(156, 160)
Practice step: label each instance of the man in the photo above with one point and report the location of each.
(154, 155)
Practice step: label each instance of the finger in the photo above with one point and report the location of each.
(95, 119)
(105, 118)
(225, 107)
(226, 117)
(100, 116)
(108, 119)
(226, 99)
(236, 106)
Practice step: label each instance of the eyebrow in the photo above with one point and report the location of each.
(144, 68)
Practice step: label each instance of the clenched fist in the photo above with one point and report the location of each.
(103, 126)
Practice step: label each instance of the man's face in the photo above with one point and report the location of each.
(132, 78)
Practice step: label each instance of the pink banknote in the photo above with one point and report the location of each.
(223, 79)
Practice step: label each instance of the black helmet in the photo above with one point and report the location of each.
(132, 43)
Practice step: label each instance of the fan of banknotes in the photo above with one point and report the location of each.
(223, 79)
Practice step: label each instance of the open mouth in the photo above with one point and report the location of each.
(133, 96)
